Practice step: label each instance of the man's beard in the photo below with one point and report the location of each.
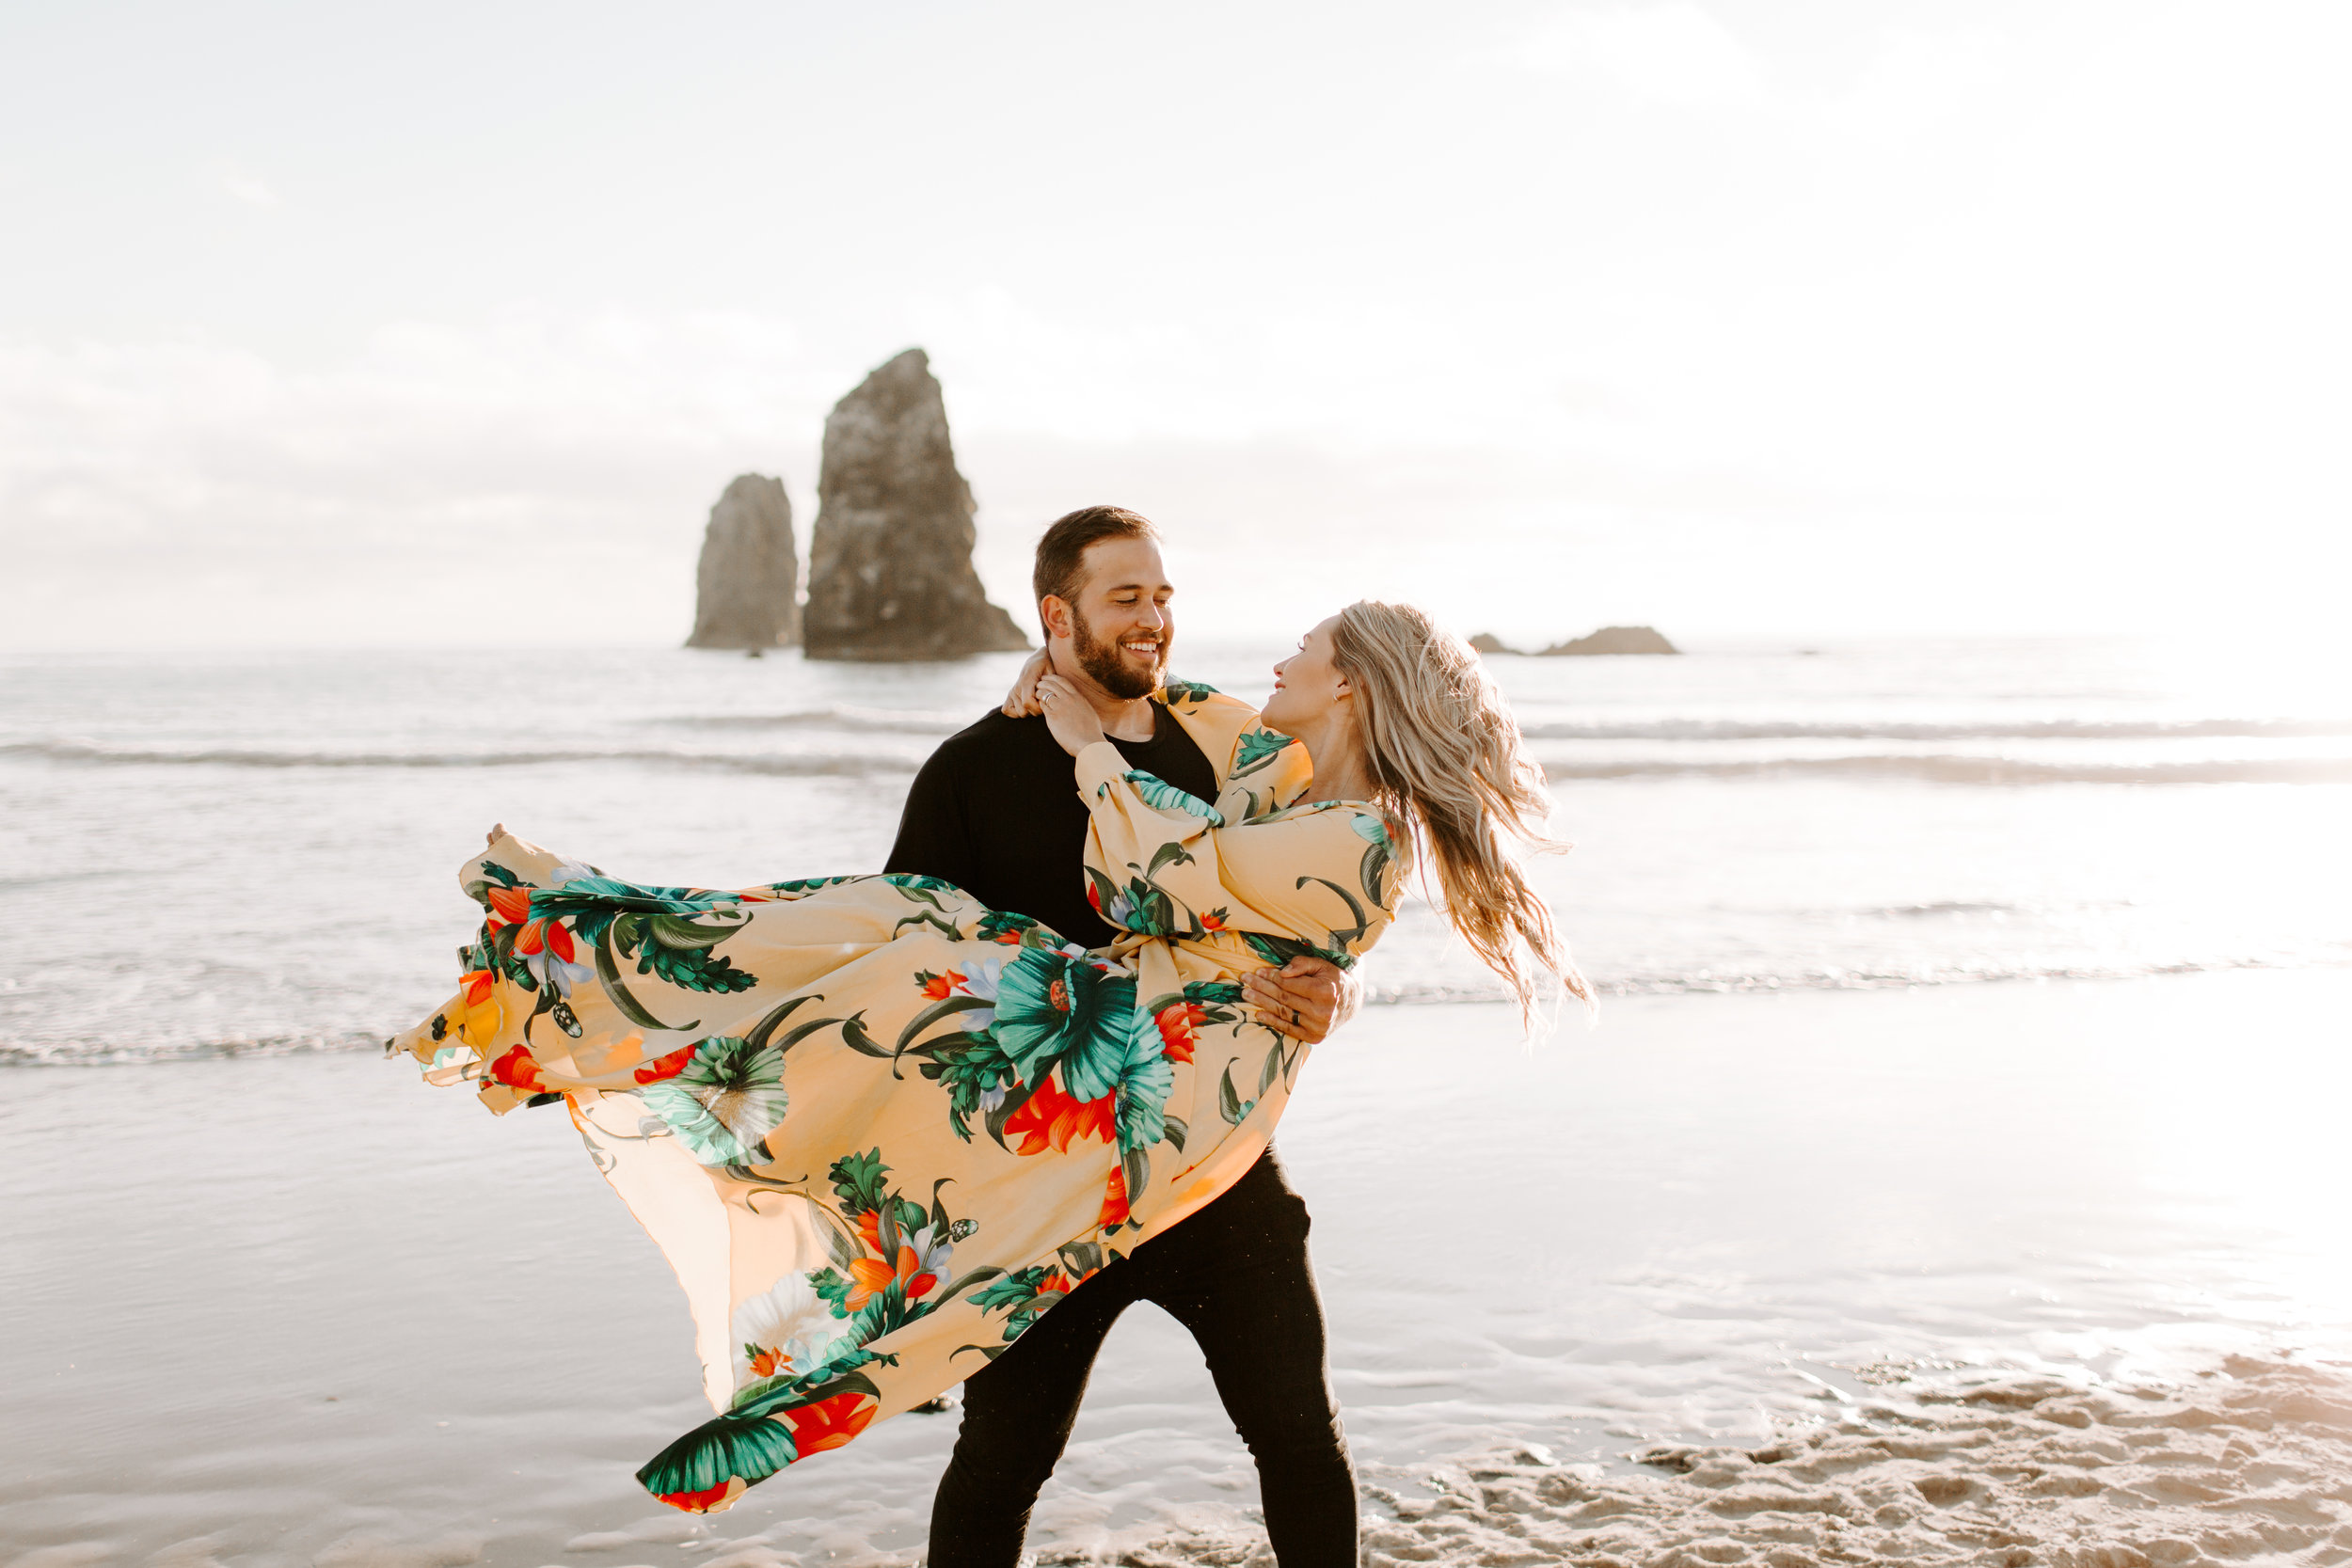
(1105, 663)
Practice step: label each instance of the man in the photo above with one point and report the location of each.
(995, 809)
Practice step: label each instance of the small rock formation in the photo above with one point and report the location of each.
(1616, 640)
(890, 560)
(1487, 643)
(747, 589)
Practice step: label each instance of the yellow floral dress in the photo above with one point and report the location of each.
(878, 1129)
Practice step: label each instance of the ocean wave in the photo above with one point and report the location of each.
(903, 721)
(1711, 982)
(70, 1052)
(795, 765)
(1940, 768)
(104, 1052)
(1954, 767)
(2055, 729)
(860, 720)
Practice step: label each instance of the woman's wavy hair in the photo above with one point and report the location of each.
(1444, 753)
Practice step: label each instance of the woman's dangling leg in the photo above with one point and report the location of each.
(1017, 1415)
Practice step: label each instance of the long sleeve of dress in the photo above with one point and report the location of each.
(1319, 878)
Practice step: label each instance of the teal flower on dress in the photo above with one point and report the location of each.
(723, 1102)
(1256, 748)
(1380, 854)
(1162, 796)
(1145, 1079)
(610, 896)
(1057, 1008)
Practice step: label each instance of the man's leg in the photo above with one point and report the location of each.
(1017, 1415)
(1237, 1276)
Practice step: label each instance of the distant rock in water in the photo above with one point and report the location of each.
(1616, 640)
(747, 589)
(890, 560)
(1487, 643)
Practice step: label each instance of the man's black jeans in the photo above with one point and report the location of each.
(1237, 1275)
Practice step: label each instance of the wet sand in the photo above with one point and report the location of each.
(1946, 1275)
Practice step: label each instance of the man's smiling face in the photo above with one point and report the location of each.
(1122, 626)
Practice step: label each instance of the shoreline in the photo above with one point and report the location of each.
(300, 1309)
(358, 1043)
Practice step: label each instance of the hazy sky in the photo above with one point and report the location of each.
(446, 323)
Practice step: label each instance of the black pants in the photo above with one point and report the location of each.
(1237, 1275)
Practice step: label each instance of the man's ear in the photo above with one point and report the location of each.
(1054, 612)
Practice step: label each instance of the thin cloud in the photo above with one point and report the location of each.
(248, 189)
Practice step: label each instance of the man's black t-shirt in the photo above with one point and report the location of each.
(997, 812)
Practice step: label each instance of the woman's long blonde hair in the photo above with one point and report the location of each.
(1444, 753)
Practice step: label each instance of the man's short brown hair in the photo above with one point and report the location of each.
(1062, 554)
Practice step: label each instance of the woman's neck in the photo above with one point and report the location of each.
(1338, 759)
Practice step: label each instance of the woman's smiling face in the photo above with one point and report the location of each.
(1307, 685)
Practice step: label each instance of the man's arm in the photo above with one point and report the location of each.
(933, 840)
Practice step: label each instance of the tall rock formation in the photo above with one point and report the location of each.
(890, 560)
(747, 589)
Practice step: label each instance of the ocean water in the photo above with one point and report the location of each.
(1969, 1008)
(244, 851)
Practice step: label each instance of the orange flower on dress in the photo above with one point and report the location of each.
(509, 906)
(767, 1363)
(1114, 1199)
(547, 949)
(519, 1069)
(547, 935)
(664, 1067)
(830, 1423)
(476, 1018)
(1180, 1023)
(939, 986)
(1050, 1120)
(870, 1277)
(699, 1502)
(1212, 921)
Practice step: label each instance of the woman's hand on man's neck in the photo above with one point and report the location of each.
(1124, 717)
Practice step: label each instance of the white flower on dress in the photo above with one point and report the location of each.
(790, 1329)
(979, 980)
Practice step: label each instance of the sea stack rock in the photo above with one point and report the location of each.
(1487, 643)
(890, 560)
(1616, 640)
(747, 589)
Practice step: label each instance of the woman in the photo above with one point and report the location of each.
(878, 1129)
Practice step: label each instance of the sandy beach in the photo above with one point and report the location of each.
(1946, 1274)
